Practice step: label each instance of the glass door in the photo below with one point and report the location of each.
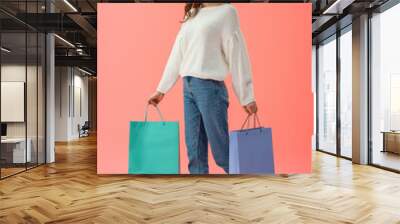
(327, 96)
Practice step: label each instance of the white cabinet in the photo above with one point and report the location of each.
(19, 155)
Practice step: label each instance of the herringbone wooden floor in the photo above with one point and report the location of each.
(69, 191)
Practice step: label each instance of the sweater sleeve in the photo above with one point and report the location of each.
(171, 70)
(237, 58)
(236, 54)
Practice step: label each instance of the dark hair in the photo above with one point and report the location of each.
(191, 10)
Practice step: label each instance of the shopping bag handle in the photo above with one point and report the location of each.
(256, 121)
(158, 111)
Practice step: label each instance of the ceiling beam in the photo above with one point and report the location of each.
(86, 26)
(338, 6)
(83, 61)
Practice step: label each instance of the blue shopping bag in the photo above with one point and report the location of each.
(153, 147)
(251, 150)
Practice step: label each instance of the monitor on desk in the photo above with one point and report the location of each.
(3, 130)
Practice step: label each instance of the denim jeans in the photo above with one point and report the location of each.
(206, 113)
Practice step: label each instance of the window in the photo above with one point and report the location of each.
(346, 74)
(385, 89)
(327, 95)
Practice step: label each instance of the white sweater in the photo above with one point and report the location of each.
(209, 46)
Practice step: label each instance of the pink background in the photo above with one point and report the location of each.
(134, 42)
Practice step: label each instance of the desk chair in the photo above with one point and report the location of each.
(84, 130)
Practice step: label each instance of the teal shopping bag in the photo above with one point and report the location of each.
(153, 147)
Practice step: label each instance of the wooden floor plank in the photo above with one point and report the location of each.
(70, 191)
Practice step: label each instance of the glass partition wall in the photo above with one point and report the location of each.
(385, 89)
(334, 93)
(334, 90)
(22, 88)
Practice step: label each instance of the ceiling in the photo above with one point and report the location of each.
(75, 22)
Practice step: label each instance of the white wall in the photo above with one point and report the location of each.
(33, 127)
(71, 93)
(81, 84)
(17, 73)
(14, 73)
(62, 81)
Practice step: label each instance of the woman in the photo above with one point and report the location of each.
(208, 46)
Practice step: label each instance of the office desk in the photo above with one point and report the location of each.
(391, 141)
(13, 150)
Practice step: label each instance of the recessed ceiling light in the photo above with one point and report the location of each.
(338, 6)
(64, 40)
(5, 50)
(70, 5)
(84, 71)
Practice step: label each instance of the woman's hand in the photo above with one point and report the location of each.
(156, 98)
(251, 108)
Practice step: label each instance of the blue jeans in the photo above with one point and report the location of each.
(206, 113)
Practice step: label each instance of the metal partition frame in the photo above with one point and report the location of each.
(338, 34)
(44, 75)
